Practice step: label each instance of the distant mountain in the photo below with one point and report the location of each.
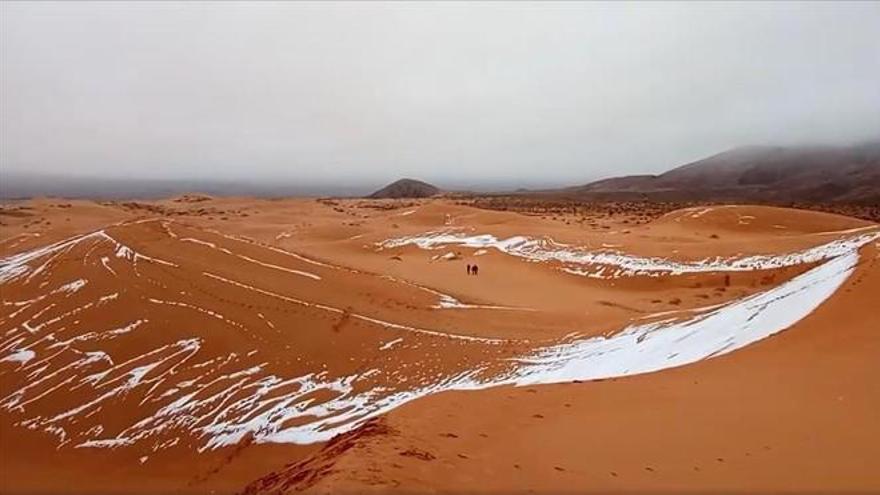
(848, 174)
(406, 188)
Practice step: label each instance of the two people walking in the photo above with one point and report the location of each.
(473, 269)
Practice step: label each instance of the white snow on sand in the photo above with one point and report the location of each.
(332, 309)
(212, 245)
(21, 356)
(266, 408)
(647, 348)
(390, 344)
(221, 406)
(448, 302)
(73, 286)
(612, 264)
(637, 349)
(657, 346)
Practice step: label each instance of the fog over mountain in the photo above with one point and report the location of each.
(346, 97)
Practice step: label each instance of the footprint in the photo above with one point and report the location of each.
(418, 454)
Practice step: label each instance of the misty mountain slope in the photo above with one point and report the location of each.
(845, 174)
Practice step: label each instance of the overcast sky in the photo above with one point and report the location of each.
(450, 92)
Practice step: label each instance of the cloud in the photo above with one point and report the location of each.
(466, 92)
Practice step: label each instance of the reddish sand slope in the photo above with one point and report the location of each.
(205, 345)
(794, 413)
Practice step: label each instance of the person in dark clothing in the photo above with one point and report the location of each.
(475, 269)
(469, 269)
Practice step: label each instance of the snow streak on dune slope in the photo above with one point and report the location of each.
(637, 349)
(614, 264)
(120, 357)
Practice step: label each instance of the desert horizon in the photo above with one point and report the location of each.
(19, 184)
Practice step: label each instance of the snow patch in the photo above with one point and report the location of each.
(390, 344)
(613, 264)
(21, 356)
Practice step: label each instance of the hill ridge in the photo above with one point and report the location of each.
(766, 173)
(406, 188)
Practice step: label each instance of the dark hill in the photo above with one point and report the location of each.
(760, 173)
(406, 188)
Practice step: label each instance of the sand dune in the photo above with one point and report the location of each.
(205, 345)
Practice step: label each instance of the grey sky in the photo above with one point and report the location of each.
(452, 92)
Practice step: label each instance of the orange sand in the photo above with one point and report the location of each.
(794, 412)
